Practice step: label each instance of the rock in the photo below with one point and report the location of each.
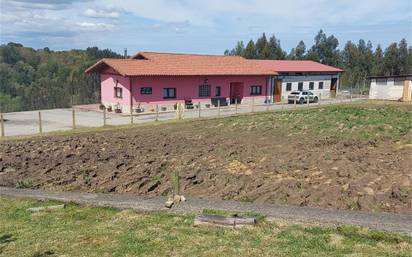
(182, 198)
(369, 191)
(169, 204)
(345, 187)
(343, 174)
(176, 198)
(9, 169)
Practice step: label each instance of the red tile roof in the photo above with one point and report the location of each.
(295, 66)
(166, 64)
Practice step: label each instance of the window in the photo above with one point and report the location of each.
(381, 82)
(218, 91)
(311, 85)
(169, 92)
(320, 85)
(300, 86)
(204, 90)
(288, 86)
(118, 92)
(145, 90)
(399, 81)
(255, 90)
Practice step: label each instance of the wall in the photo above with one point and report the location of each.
(186, 88)
(322, 93)
(388, 90)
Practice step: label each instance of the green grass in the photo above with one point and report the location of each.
(89, 231)
(361, 121)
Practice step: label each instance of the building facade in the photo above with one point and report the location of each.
(397, 87)
(148, 81)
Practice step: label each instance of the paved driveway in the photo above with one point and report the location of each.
(27, 123)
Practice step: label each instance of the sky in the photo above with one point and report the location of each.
(198, 26)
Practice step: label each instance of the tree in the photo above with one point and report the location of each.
(403, 57)
(325, 50)
(390, 60)
(298, 53)
(378, 67)
(250, 51)
(273, 49)
(39, 79)
(261, 44)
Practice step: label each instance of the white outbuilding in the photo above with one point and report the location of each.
(395, 87)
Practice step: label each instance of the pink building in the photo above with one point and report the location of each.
(148, 79)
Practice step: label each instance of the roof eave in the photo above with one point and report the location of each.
(94, 68)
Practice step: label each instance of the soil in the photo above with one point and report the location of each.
(216, 160)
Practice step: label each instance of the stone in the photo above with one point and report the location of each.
(343, 174)
(182, 198)
(169, 204)
(369, 191)
(176, 198)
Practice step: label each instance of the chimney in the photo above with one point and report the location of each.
(125, 53)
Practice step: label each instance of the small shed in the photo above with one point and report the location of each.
(394, 87)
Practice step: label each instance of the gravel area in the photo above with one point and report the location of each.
(381, 221)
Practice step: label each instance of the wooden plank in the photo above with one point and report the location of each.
(216, 220)
(46, 208)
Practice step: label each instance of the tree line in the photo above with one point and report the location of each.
(359, 60)
(42, 79)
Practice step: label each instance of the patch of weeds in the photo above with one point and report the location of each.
(43, 254)
(250, 214)
(24, 183)
(247, 199)
(6, 238)
(367, 236)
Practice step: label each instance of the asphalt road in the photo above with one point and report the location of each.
(380, 221)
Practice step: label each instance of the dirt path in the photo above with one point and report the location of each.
(381, 221)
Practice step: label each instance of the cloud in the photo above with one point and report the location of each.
(92, 26)
(40, 4)
(93, 13)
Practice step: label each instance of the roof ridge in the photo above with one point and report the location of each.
(196, 54)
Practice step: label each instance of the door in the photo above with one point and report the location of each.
(277, 94)
(333, 87)
(236, 92)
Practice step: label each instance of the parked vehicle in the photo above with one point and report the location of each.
(302, 97)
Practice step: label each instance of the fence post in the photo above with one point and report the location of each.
(157, 112)
(40, 124)
(319, 99)
(2, 124)
(294, 102)
(267, 105)
(236, 105)
(104, 116)
(218, 107)
(73, 119)
(308, 100)
(199, 107)
(253, 104)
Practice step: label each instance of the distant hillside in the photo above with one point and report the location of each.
(33, 79)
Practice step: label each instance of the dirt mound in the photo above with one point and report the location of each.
(218, 161)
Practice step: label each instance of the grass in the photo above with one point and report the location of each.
(88, 231)
(359, 121)
(364, 120)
